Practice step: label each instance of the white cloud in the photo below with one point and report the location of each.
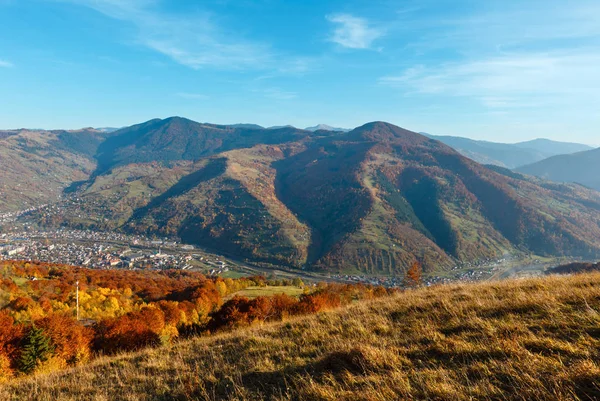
(6, 64)
(507, 57)
(519, 80)
(353, 32)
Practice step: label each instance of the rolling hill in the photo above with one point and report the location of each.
(509, 155)
(371, 200)
(38, 165)
(535, 339)
(580, 167)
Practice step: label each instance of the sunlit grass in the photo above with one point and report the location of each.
(534, 339)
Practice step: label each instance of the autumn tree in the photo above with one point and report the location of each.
(129, 332)
(414, 276)
(282, 306)
(10, 337)
(318, 301)
(70, 340)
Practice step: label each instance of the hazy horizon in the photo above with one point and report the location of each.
(592, 144)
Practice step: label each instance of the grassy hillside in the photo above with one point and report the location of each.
(38, 165)
(536, 339)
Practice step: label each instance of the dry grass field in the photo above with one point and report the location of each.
(535, 339)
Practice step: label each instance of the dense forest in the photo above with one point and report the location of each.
(128, 310)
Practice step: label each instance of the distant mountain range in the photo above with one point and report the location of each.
(371, 200)
(509, 155)
(317, 127)
(107, 130)
(326, 127)
(582, 167)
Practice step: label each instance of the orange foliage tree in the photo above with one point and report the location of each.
(414, 276)
(70, 339)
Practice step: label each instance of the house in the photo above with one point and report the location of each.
(135, 256)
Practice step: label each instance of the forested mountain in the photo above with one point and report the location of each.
(509, 155)
(38, 165)
(371, 200)
(582, 167)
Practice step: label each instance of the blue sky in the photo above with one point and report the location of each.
(496, 70)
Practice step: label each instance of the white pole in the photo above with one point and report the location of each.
(77, 298)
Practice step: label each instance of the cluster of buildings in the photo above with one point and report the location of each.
(9, 217)
(465, 272)
(370, 280)
(105, 250)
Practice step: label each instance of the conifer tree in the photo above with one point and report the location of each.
(37, 348)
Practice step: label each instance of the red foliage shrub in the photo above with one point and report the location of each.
(10, 336)
(9, 286)
(70, 339)
(260, 309)
(21, 303)
(282, 306)
(318, 301)
(233, 313)
(132, 331)
(173, 315)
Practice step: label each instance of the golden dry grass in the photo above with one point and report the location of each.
(536, 339)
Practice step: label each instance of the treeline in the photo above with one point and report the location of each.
(574, 268)
(128, 310)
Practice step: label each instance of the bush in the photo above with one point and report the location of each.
(130, 332)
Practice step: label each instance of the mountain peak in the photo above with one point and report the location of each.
(381, 131)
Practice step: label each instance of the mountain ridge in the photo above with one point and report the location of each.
(372, 200)
(509, 155)
(581, 167)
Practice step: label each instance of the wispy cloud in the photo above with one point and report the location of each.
(507, 81)
(6, 64)
(353, 32)
(191, 40)
(191, 96)
(534, 55)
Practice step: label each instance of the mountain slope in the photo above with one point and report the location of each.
(580, 167)
(553, 148)
(509, 155)
(372, 200)
(38, 165)
(178, 138)
(513, 340)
